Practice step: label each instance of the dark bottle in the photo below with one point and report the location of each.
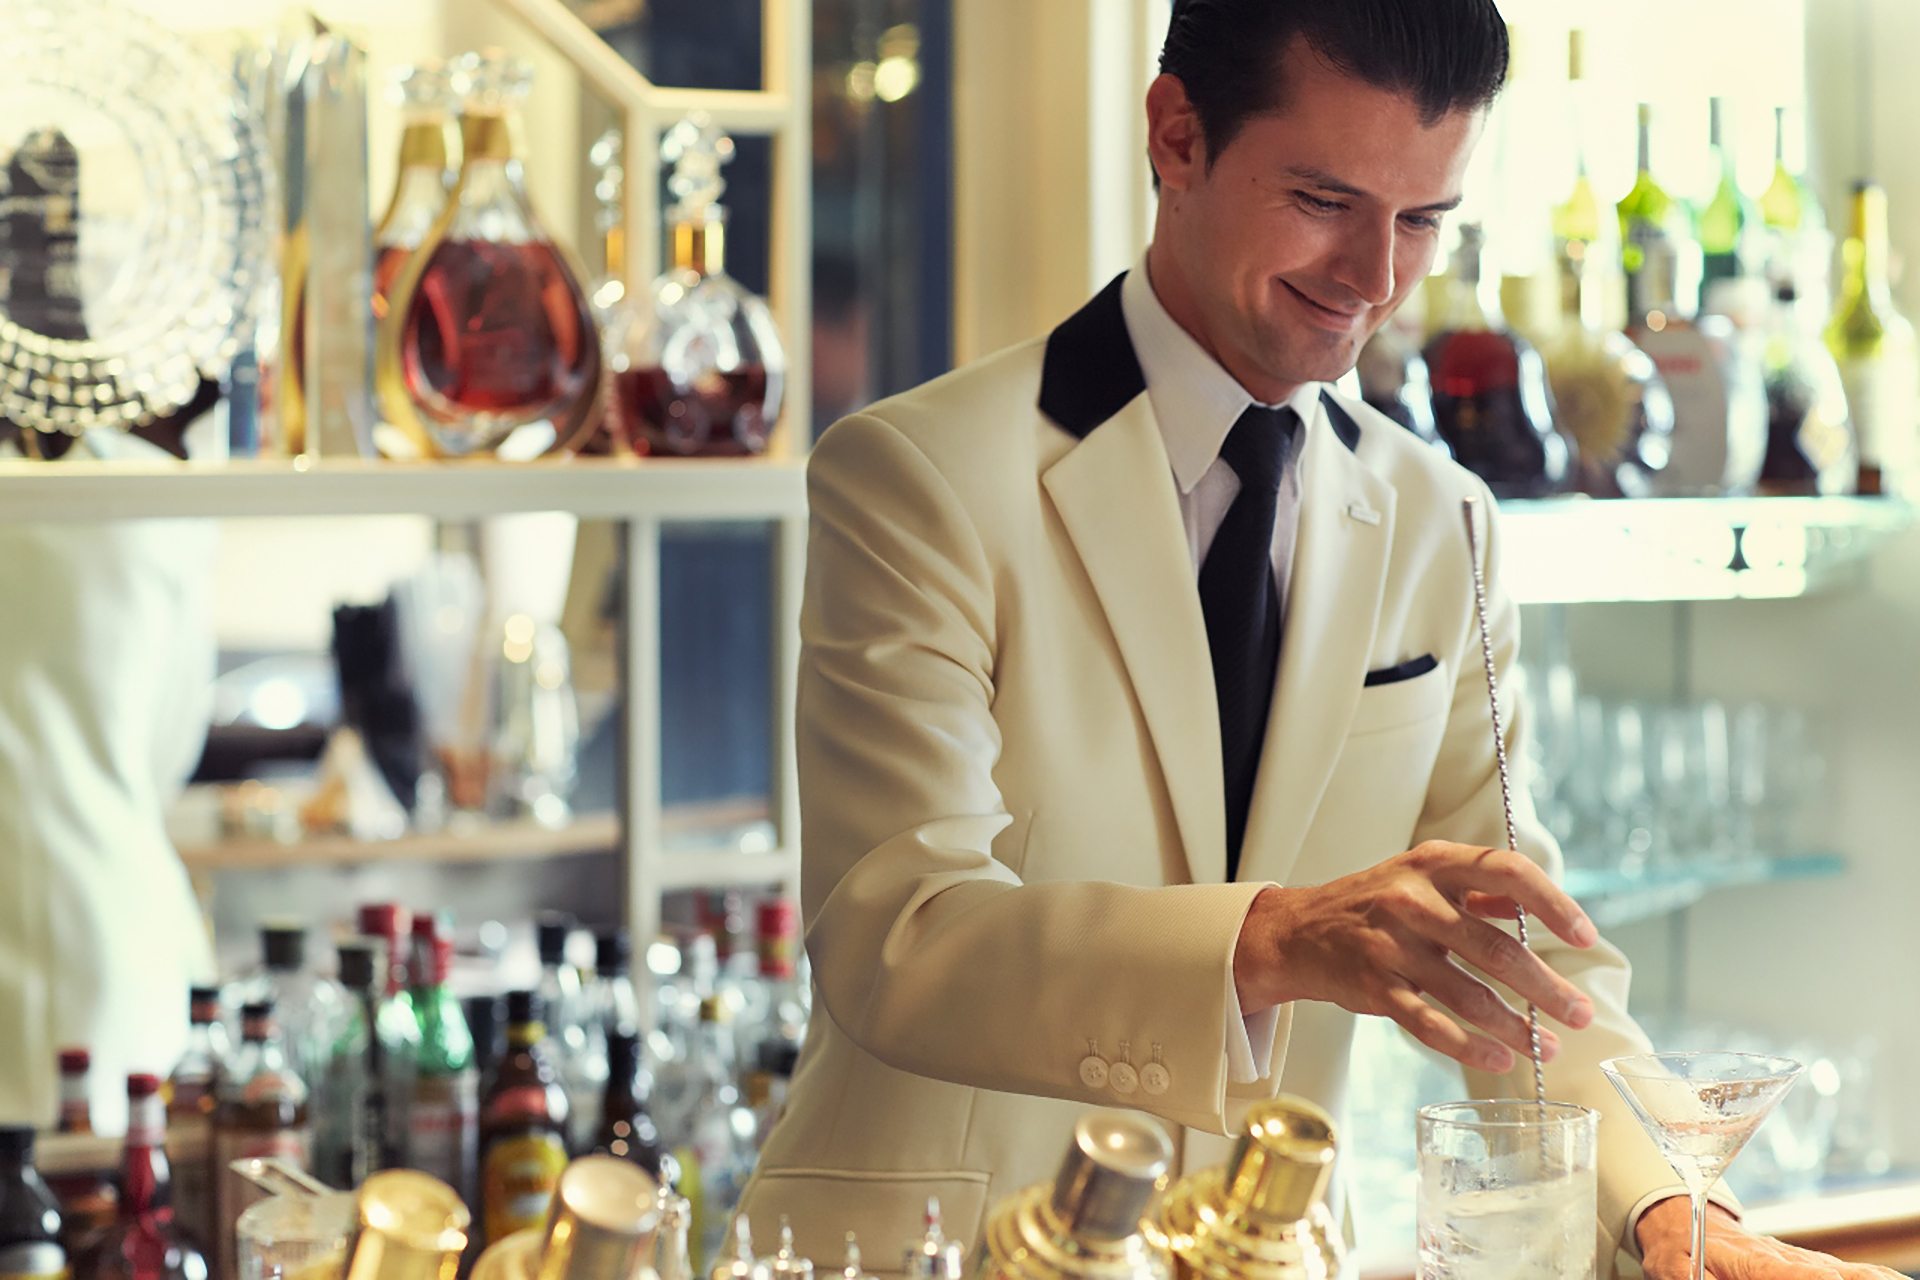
(195, 1080)
(1394, 380)
(29, 1215)
(1810, 444)
(350, 1098)
(487, 1020)
(626, 1128)
(144, 1242)
(523, 1126)
(1491, 403)
(87, 1200)
(260, 1110)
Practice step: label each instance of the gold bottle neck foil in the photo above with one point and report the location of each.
(423, 144)
(1263, 1216)
(409, 1227)
(486, 135)
(700, 246)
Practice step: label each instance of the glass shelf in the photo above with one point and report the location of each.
(1581, 550)
(1615, 898)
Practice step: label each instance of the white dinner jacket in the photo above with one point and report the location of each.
(1012, 808)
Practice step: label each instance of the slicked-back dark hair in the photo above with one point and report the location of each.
(1444, 55)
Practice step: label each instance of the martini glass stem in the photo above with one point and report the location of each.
(1699, 1199)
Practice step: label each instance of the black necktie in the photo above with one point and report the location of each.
(1242, 606)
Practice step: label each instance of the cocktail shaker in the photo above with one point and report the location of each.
(1264, 1216)
(1087, 1224)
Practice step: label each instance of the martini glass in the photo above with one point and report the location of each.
(1700, 1109)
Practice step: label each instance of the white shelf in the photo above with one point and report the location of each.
(661, 489)
(1577, 550)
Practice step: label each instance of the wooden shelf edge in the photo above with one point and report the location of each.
(495, 842)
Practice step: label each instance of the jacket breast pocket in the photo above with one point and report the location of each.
(1402, 702)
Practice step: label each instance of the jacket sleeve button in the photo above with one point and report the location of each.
(1123, 1078)
(1155, 1079)
(1093, 1071)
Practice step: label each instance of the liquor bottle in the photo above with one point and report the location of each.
(739, 1263)
(1087, 1221)
(1394, 380)
(191, 1093)
(29, 1214)
(1491, 402)
(396, 1022)
(716, 1143)
(1810, 442)
(608, 1006)
(260, 1110)
(144, 1242)
(602, 1225)
(1265, 1212)
(933, 1256)
(407, 1226)
(1586, 233)
(785, 1262)
(523, 1126)
(701, 371)
(612, 1004)
(488, 345)
(309, 1007)
(424, 178)
(1730, 224)
(443, 1111)
(351, 1095)
(853, 1268)
(627, 1129)
(1799, 246)
(487, 1020)
(608, 296)
(1607, 395)
(1713, 373)
(562, 1000)
(1874, 345)
(1648, 210)
(87, 1200)
(775, 1005)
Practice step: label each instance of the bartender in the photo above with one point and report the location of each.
(1143, 731)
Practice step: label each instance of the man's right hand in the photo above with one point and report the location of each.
(1385, 940)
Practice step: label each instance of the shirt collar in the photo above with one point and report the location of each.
(1195, 400)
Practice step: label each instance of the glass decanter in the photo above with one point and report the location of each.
(489, 344)
(700, 370)
(1491, 402)
(426, 174)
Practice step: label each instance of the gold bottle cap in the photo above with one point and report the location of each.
(601, 1227)
(1283, 1162)
(1113, 1170)
(411, 1226)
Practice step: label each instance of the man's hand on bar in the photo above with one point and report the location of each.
(1733, 1253)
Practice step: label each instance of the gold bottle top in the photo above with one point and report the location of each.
(604, 1217)
(1263, 1216)
(700, 245)
(1087, 1223)
(410, 1226)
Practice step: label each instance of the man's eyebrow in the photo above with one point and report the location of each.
(1327, 182)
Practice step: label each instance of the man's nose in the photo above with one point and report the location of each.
(1365, 265)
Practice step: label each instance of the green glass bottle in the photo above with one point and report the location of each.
(1788, 205)
(1730, 222)
(1649, 212)
(1874, 345)
(443, 1114)
(1586, 235)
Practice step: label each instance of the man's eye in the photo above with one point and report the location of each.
(1317, 204)
(1422, 221)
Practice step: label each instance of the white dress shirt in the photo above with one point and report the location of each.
(1196, 402)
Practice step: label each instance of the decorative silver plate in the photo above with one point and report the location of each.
(163, 199)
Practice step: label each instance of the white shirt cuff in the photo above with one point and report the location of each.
(1250, 1043)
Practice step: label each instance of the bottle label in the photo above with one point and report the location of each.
(518, 1182)
(146, 1122)
(1881, 395)
(1719, 409)
(189, 1133)
(442, 1119)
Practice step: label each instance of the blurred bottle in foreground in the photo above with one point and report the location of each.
(1874, 345)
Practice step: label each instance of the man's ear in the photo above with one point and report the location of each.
(1175, 142)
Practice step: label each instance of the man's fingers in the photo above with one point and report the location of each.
(1464, 869)
(1442, 1034)
(1476, 1004)
(1501, 957)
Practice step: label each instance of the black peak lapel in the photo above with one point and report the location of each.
(1091, 371)
(1342, 423)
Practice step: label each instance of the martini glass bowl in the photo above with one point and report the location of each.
(1700, 1109)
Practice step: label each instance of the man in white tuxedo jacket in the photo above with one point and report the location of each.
(1042, 872)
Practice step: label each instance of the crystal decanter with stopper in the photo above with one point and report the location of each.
(489, 345)
(427, 172)
(700, 369)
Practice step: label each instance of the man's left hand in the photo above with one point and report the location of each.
(1665, 1234)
